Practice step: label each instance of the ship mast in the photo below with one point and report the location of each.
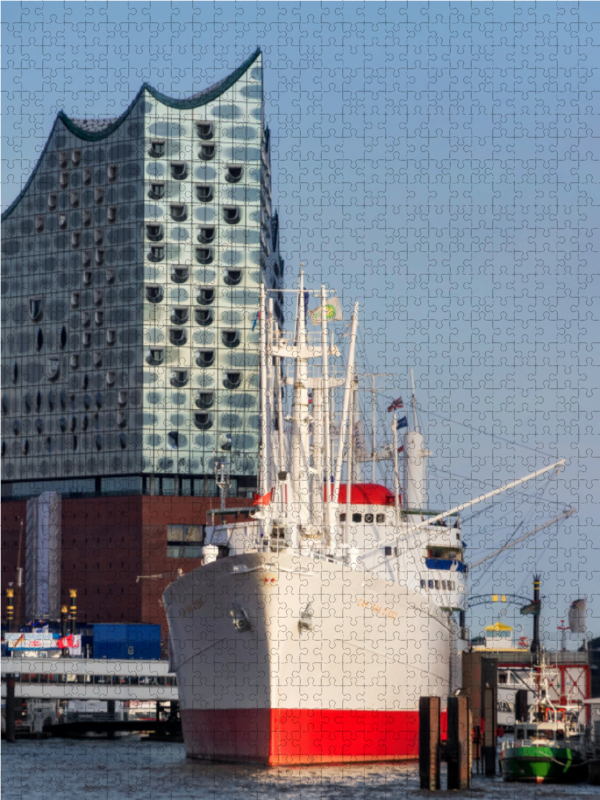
(415, 453)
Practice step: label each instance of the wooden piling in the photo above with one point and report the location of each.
(460, 749)
(429, 742)
(489, 731)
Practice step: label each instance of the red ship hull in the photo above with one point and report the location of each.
(287, 737)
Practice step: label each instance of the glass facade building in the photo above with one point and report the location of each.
(132, 262)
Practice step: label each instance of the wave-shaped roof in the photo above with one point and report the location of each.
(92, 130)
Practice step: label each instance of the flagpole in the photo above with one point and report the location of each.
(396, 477)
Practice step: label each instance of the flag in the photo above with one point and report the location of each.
(402, 423)
(396, 404)
(333, 312)
(256, 318)
(19, 640)
(265, 500)
(532, 608)
(401, 449)
(66, 641)
(577, 616)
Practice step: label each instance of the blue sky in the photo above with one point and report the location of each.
(438, 162)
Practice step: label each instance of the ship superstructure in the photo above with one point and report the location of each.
(319, 619)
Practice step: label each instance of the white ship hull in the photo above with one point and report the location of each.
(338, 683)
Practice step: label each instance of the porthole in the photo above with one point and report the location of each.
(380, 519)
(356, 517)
(204, 192)
(234, 173)
(369, 519)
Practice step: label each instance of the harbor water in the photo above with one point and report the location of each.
(129, 769)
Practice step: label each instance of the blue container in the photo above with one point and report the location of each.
(127, 641)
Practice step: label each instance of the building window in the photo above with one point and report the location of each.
(204, 255)
(206, 296)
(87, 176)
(74, 199)
(206, 152)
(97, 359)
(156, 253)
(205, 358)
(157, 148)
(52, 369)
(76, 157)
(180, 274)
(154, 293)
(204, 316)
(179, 377)
(156, 356)
(64, 180)
(178, 212)
(179, 170)
(175, 440)
(205, 399)
(112, 173)
(177, 336)
(74, 361)
(62, 222)
(184, 541)
(234, 173)
(203, 420)
(388, 551)
(87, 339)
(111, 337)
(232, 380)
(204, 192)
(230, 338)
(206, 235)
(179, 315)
(231, 214)
(16, 427)
(111, 214)
(422, 583)
(206, 130)
(52, 201)
(87, 277)
(342, 517)
(97, 297)
(98, 236)
(123, 441)
(98, 195)
(99, 317)
(156, 191)
(39, 224)
(110, 276)
(233, 277)
(99, 256)
(35, 308)
(111, 377)
(86, 258)
(155, 232)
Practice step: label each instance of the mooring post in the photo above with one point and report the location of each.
(429, 742)
(489, 732)
(460, 749)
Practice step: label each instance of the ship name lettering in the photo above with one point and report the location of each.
(198, 603)
(377, 609)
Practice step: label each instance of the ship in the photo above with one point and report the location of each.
(322, 613)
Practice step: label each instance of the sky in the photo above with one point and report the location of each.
(437, 162)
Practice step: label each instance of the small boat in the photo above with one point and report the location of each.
(548, 746)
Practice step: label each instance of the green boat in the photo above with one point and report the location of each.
(541, 759)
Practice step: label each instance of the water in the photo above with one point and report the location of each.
(128, 769)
